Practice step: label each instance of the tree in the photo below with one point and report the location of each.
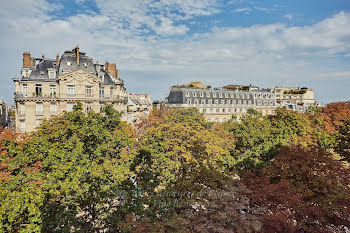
(335, 115)
(303, 189)
(73, 172)
(343, 141)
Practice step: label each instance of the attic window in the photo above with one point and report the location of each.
(41, 72)
(69, 64)
(52, 74)
(85, 64)
(102, 77)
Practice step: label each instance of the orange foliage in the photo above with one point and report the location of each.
(335, 114)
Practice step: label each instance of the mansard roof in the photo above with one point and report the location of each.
(68, 63)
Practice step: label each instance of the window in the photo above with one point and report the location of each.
(222, 101)
(195, 101)
(223, 110)
(102, 92)
(224, 119)
(188, 101)
(88, 107)
(25, 90)
(71, 90)
(22, 125)
(202, 101)
(111, 92)
(214, 95)
(88, 90)
(22, 108)
(194, 94)
(217, 110)
(204, 110)
(211, 110)
(229, 110)
(52, 90)
(70, 106)
(201, 94)
(216, 120)
(209, 119)
(210, 101)
(187, 94)
(220, 95)
(216, 101)
(102, 77)
(38, 90)
(39, 108)
(53, 107)
(52, 74)
(208, 94)
(226, 95)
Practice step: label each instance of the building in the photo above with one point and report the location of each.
(52, 86)
(221, 104)
(295, 98)
(139, 106)
(5, 110)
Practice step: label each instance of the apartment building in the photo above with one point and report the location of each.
(5, 110)
(139, 106)
(221, 104)
(295, 98)
(50, 87)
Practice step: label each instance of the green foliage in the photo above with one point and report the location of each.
(259, 138)
(84, 164)
(343, 141)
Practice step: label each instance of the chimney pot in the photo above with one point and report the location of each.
(57, 59)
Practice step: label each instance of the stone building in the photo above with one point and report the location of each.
(5, 110)
(139, 106)
(51, 86)
(295, 98)
(221, 104)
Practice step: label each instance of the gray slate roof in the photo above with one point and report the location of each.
(40, 71)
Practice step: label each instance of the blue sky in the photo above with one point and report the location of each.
(159, 43)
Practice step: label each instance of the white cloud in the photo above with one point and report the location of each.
(245, 10)
(288, 16)
(138, 35)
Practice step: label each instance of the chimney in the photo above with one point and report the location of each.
(27, 60)
(57, 59)
(43, 56)
(111, 68)
(76, 51)
(117, 74)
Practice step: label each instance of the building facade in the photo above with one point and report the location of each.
(50, 87)
(139, 106)
(5, 110)
(221, 104)
(295, 98)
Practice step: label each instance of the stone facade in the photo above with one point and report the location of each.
(294, 98)
(4, 113)
(50, 87)
(139, 106)
(221, 104)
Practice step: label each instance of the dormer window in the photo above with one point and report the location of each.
(102, 77)
(42, 72)
(52, 74)
(85, 64)
(69, 63)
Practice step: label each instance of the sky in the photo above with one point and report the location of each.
(160, 43)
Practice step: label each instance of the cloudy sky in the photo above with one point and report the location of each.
(159, 43)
